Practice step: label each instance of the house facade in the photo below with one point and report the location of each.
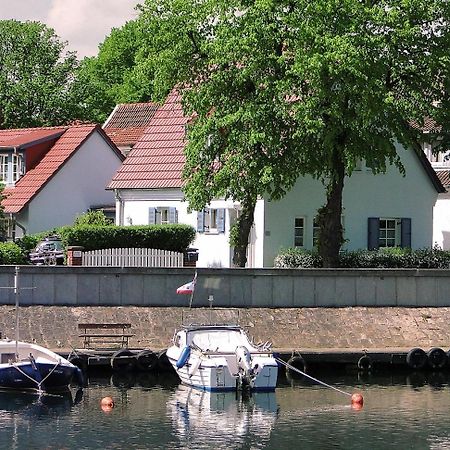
(379, 210)
(54, 174)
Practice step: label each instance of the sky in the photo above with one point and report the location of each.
(84, 24)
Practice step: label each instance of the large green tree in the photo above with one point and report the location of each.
(113, 76)
(283, 88)
(36, 76)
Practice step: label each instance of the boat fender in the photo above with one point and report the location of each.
(243, 358)
(123, 360)
(437, 358)
(298, 362)
(416, 358)
(147, 360)
(184, 356)
(365, 363)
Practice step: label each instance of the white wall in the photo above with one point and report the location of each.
(365, 195)
(77, 186)
(214, 250)
(441, 224)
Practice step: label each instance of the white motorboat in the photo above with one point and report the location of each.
(26, 366)
(222, 358)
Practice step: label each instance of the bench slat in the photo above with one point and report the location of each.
(93, 326)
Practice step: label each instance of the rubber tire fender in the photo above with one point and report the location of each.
(298, 362)
(147, 360)
(416, 358)
(163, 362)
(365, 363)
(437, 358)
(79, 361)
(120, 364)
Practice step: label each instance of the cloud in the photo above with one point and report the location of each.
(84, 24)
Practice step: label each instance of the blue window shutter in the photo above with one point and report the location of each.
(201, 221)
(151, 216)
(221, 220)
(173, 215)
(373, 235)
(406, 233)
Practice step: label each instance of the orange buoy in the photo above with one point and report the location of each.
(107, 404)
(357, 401)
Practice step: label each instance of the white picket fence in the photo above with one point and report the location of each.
(132, 257)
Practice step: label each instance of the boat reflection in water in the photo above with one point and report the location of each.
(205, 418)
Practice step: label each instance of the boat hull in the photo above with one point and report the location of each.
(28, 376)
(213, 374)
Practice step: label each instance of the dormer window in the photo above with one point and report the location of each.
(11, 167)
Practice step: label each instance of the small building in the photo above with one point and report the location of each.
(385, 210)
(52, 175)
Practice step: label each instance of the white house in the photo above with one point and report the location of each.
(379, 210)
(54, 174)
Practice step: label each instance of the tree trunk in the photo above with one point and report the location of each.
(243, 225)
(331, 236)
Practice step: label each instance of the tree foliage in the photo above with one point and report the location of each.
(281, 88)
(36, 76)
(114, 75)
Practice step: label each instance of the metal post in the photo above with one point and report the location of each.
(210, 300)
(16, 295)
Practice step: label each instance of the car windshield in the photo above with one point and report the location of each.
(49, 246)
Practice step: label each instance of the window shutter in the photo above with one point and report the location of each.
(173, 215)
(373, 235)
(151, 216)
(201, 221)
(406, 233)
(221, 220)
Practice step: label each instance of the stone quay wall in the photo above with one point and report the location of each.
(294, 309)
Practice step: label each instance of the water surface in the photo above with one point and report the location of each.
(401, 412)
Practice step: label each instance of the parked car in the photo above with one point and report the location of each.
(48, 252)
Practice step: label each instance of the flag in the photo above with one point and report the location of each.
(188, 288)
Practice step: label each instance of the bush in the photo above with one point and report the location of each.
(385, 258)
(174, 237)
(92, 218)
(11, 253)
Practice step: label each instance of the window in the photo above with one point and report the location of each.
(388, 232)
(4, 168)
(299, 232)
(211, 220)
(162, 215)
(316, 230)
(17, 167)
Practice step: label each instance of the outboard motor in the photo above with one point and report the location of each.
(244, 363)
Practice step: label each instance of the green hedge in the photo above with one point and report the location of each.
(174, 237)
(11, 253)
(427, 258)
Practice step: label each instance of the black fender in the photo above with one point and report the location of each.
(416, 358)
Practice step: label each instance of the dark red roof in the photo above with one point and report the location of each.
(157, 159)
(25, 137)
(127, 122)
(33, 181)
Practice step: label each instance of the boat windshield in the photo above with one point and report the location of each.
(218, 340)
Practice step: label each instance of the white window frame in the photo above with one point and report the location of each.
(17, 167)
(390, 234)
(299, 231)
(4, 167)
(162, 215)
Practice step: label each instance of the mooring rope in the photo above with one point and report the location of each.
(310, 377)
(38, 383)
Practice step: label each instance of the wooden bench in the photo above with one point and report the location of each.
(102, 334)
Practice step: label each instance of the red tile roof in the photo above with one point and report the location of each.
(34, 180)
(127, 122)
(25, 137)
(157, 159)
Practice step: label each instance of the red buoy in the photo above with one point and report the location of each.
(107, 404)
(357, 401)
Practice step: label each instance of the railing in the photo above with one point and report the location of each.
(132, 257)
